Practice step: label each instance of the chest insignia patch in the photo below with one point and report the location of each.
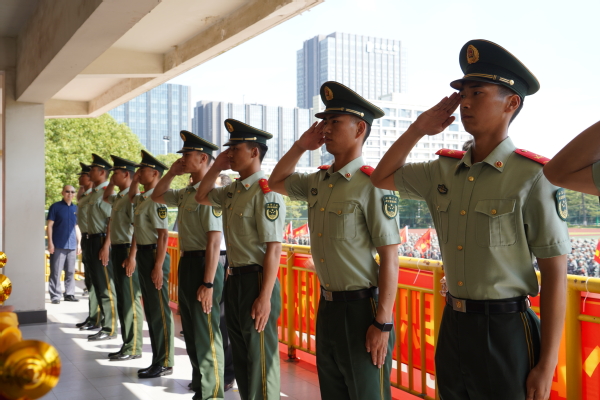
(314, 191)
(561, 204)
(390, 206)
(442, 189)
(217, 212)
(162, 212)
(272, 211)
(229, 194)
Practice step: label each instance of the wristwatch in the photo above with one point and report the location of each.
(208, 284)
(385, 327)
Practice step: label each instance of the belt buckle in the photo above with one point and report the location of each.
(328, 295)
(459, 305)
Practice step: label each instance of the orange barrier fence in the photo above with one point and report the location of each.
(418, 313)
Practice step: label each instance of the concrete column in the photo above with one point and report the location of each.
(23, 187)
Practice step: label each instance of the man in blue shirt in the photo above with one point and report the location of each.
(63, 245)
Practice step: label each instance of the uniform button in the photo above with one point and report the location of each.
(247, 185)
(499, 164)
(471, 179)
(320, 234)
(322, 260)
(330, 185)
(459, 247)
(348, 175)
(494, 212)
(239, 191)
(322, 209)
(230, 208)
(463, 212)
(327, 285)
(460, 283)
(339, 212)
(241, 214)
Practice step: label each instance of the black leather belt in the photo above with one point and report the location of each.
(349, 295)
(146, 246)
(95, 235)
(121, 246)
(223, 252)
(195, 253)
(517, 304)
(246, 269)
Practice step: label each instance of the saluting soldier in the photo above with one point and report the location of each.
(577, 165)
(123, 251)
(154, 265)
(98, 214)
(85, 188)
(200, 272)
(350, 221)
(493, 210)
(253, 220)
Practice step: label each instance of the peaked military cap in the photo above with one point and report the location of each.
(148, 160)
(122, 163)
(485, 61)
(192, 142)
(240, 132)
(100, 162)
(339, 99)
(85, 169)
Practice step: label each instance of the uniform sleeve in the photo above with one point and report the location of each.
(381, 210)
(216, 195)
(159, 216)
(111, 199)
(210, 218)
(413, 181)
(52, 213)
(547, 234)
(270, 212)
(296, 186)
(171, 198)
(596, 174)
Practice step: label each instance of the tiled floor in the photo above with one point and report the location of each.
(88, 375)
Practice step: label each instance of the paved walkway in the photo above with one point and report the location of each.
(88, 375)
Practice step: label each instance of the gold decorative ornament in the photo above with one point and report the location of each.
(328, 93)
(3, 259)
(472, 54)
(229, 127)
(8, 337)
(29, 369)
(7, 320)
(5, 288)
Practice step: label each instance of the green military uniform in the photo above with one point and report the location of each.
(94, 310)
(252, 216)
(348, 219)
(491, 218)
(98, 213)
(202, 336)
(148, 217)
(129, 305)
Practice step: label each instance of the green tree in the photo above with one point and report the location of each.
(584, 209)
(295, 211)
(73, 140)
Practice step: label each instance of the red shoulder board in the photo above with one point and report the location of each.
(264, 185)
(532, 156)
(325, 167)
(451, 153)
(367, 169)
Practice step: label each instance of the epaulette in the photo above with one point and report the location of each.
(264, 185)
(451, 153)
(367, 169)
(325, 167)
(532, 156)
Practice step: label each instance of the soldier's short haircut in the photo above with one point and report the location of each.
(505, 91)
(262, 149)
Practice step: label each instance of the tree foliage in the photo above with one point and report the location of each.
(584, 209)
(73, 140)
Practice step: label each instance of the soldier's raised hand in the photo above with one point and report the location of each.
(438, 117)
(313, 138)
(222, 161)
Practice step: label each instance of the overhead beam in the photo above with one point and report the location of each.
(66, 109)
(254, 18)
(127, 64)
(61, 39)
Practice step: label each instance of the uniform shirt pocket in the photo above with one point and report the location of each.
(442, 206)
(496, 223)
(244, 217)
(312, 203)
(342, 220)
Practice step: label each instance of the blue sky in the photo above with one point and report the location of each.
(558, 41)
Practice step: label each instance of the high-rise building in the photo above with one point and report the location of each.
(400, 111)
(286, 124)
(373, 67)
(157, 116)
